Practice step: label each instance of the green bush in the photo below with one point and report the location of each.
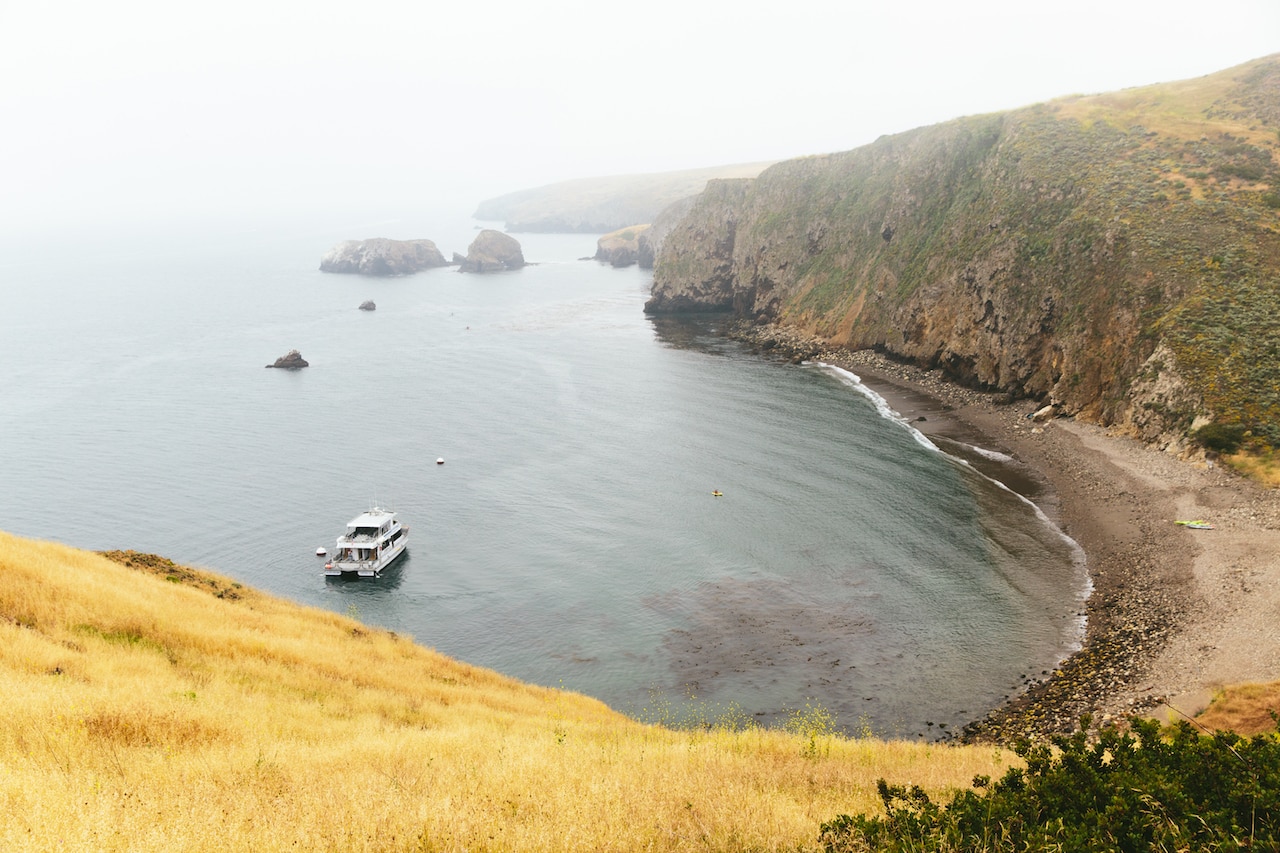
(1223, 438)
(1118, 792)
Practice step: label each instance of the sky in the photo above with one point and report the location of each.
(131, 110)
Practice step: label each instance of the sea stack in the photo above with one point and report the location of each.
(491, 251)
(380, 256)
(621, 248)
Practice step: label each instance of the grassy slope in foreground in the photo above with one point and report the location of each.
(161, 708)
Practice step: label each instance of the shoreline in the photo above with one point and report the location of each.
(1174, 614)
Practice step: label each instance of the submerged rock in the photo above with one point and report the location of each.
(380, 256)
(491, 251)
(292, 360)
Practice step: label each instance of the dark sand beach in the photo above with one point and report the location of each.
(1175, 613)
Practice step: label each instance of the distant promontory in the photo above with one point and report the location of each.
(380, 256)
(603, 204)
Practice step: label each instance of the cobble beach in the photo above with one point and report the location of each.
(1174, 613)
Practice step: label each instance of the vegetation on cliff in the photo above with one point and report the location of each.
(1115, 792)
(1116, 254)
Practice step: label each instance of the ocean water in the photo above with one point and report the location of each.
(571, 538)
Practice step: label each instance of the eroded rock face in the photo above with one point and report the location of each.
(1163, 404)
(491, 251)
(649, 244)
(380, 256)
(697, 272)
(292, 360)
(621, 248)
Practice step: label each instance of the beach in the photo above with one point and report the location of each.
(1175, 613)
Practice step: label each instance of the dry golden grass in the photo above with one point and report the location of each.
(1245, 709)
(159, 708)
(1176, 109)
(1261, 467)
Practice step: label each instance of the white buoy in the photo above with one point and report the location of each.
(320, 552)
(440, 460)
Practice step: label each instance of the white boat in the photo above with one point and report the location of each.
(373, 541)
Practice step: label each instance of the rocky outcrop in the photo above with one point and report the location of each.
(696, 270)
(292, 360)
(621, 248)
(1164, 407)
(650, 242)
(380, 256)
(368, 305)
(491, 251)
(1062, 252)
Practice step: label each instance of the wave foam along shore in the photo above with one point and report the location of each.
(1169, 618)
(999, 467)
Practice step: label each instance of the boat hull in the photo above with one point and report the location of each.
(371, 568)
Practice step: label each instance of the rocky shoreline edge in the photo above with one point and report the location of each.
(1147, 610)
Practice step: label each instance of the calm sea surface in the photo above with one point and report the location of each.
(571, 538)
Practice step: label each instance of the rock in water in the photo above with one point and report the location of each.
(621, 248)
(380, 256)
(292, 360)
(368, 305)
(492, 251)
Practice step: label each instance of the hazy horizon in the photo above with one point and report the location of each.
(150, 112)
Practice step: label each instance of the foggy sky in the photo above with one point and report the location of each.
(141, 110)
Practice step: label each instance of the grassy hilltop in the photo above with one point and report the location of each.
(1116, 254)
(147, 706)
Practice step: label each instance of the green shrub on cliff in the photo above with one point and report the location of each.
(1220, 438)
(1186, 792)
(1227, 340)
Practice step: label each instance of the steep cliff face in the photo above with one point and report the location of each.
(650, 242)
(697, 259)
(1046, 252)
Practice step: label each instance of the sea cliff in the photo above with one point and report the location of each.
(1117, 256)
